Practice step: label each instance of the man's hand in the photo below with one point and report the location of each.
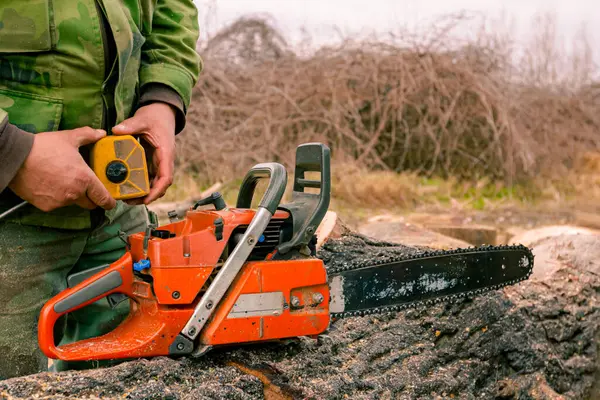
(156, 124)
(55, 175)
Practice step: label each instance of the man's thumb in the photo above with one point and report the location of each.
(129, 127)
(87, 135)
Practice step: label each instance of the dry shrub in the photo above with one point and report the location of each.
(358, 186)
(432, 107)
(583, 183)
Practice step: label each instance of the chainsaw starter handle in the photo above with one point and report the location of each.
(117, 278)
(277, 185)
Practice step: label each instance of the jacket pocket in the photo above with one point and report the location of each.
(31, 112)
(26, 26)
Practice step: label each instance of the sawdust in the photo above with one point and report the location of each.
(537, 340)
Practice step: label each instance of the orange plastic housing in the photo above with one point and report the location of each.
(302, 278)
(180, 266)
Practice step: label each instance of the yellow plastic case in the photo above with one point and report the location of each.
(120, 164)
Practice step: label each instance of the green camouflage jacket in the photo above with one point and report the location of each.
(73, 63)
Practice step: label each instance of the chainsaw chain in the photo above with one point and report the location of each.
(434, 253)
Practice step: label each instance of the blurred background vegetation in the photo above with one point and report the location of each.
(411, 121)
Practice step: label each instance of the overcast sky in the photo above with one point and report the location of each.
(365, 16)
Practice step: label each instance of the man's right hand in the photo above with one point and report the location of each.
(55, 174)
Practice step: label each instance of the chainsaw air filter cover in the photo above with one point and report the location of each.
(120, 164)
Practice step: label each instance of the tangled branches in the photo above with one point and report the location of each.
(428, 109)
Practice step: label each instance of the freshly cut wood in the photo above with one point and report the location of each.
(409, 234)
(331, 227)
(476, 235)
(533, 236)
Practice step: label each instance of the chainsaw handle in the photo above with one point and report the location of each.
(238, 256)
(117, 278)
(277, 184)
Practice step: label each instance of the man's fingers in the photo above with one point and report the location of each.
(131, 126)
(99, 195)
(82, 136)
(84, 202)
(164, 178)
(134, 202)
(159, 189)
(162, 181)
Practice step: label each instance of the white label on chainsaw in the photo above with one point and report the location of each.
(427, 283)
(336, 289)
(257, 305)
(524, 262)
(436, 282)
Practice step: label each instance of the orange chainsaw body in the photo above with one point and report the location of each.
(216, 277)
(302, 279)
(182, 264)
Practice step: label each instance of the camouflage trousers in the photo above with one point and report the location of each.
(34, 264)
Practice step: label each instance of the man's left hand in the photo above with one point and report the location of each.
(156, 124)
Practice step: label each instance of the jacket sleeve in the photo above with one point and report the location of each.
(15, 145)
(158, 92)
(169, 55)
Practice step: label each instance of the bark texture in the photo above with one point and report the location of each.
(536, 340)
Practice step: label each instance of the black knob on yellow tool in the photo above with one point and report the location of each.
(120, 164)
(116, 171)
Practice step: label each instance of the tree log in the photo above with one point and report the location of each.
(535, 340)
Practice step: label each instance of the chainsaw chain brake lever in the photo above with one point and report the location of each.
(307, 209)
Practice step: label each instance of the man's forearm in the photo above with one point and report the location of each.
(15, 145)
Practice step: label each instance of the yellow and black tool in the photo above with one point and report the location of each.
(120, 164)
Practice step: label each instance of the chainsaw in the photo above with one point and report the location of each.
(224, 275)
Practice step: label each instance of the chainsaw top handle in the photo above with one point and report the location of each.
(238, 256)
(275, 190)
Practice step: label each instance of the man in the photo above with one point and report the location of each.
(71, 72)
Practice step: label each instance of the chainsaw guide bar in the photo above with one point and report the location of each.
(394, 284)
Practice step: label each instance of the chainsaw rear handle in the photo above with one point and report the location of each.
(117, 278)
(277, 185)
(307, 209)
